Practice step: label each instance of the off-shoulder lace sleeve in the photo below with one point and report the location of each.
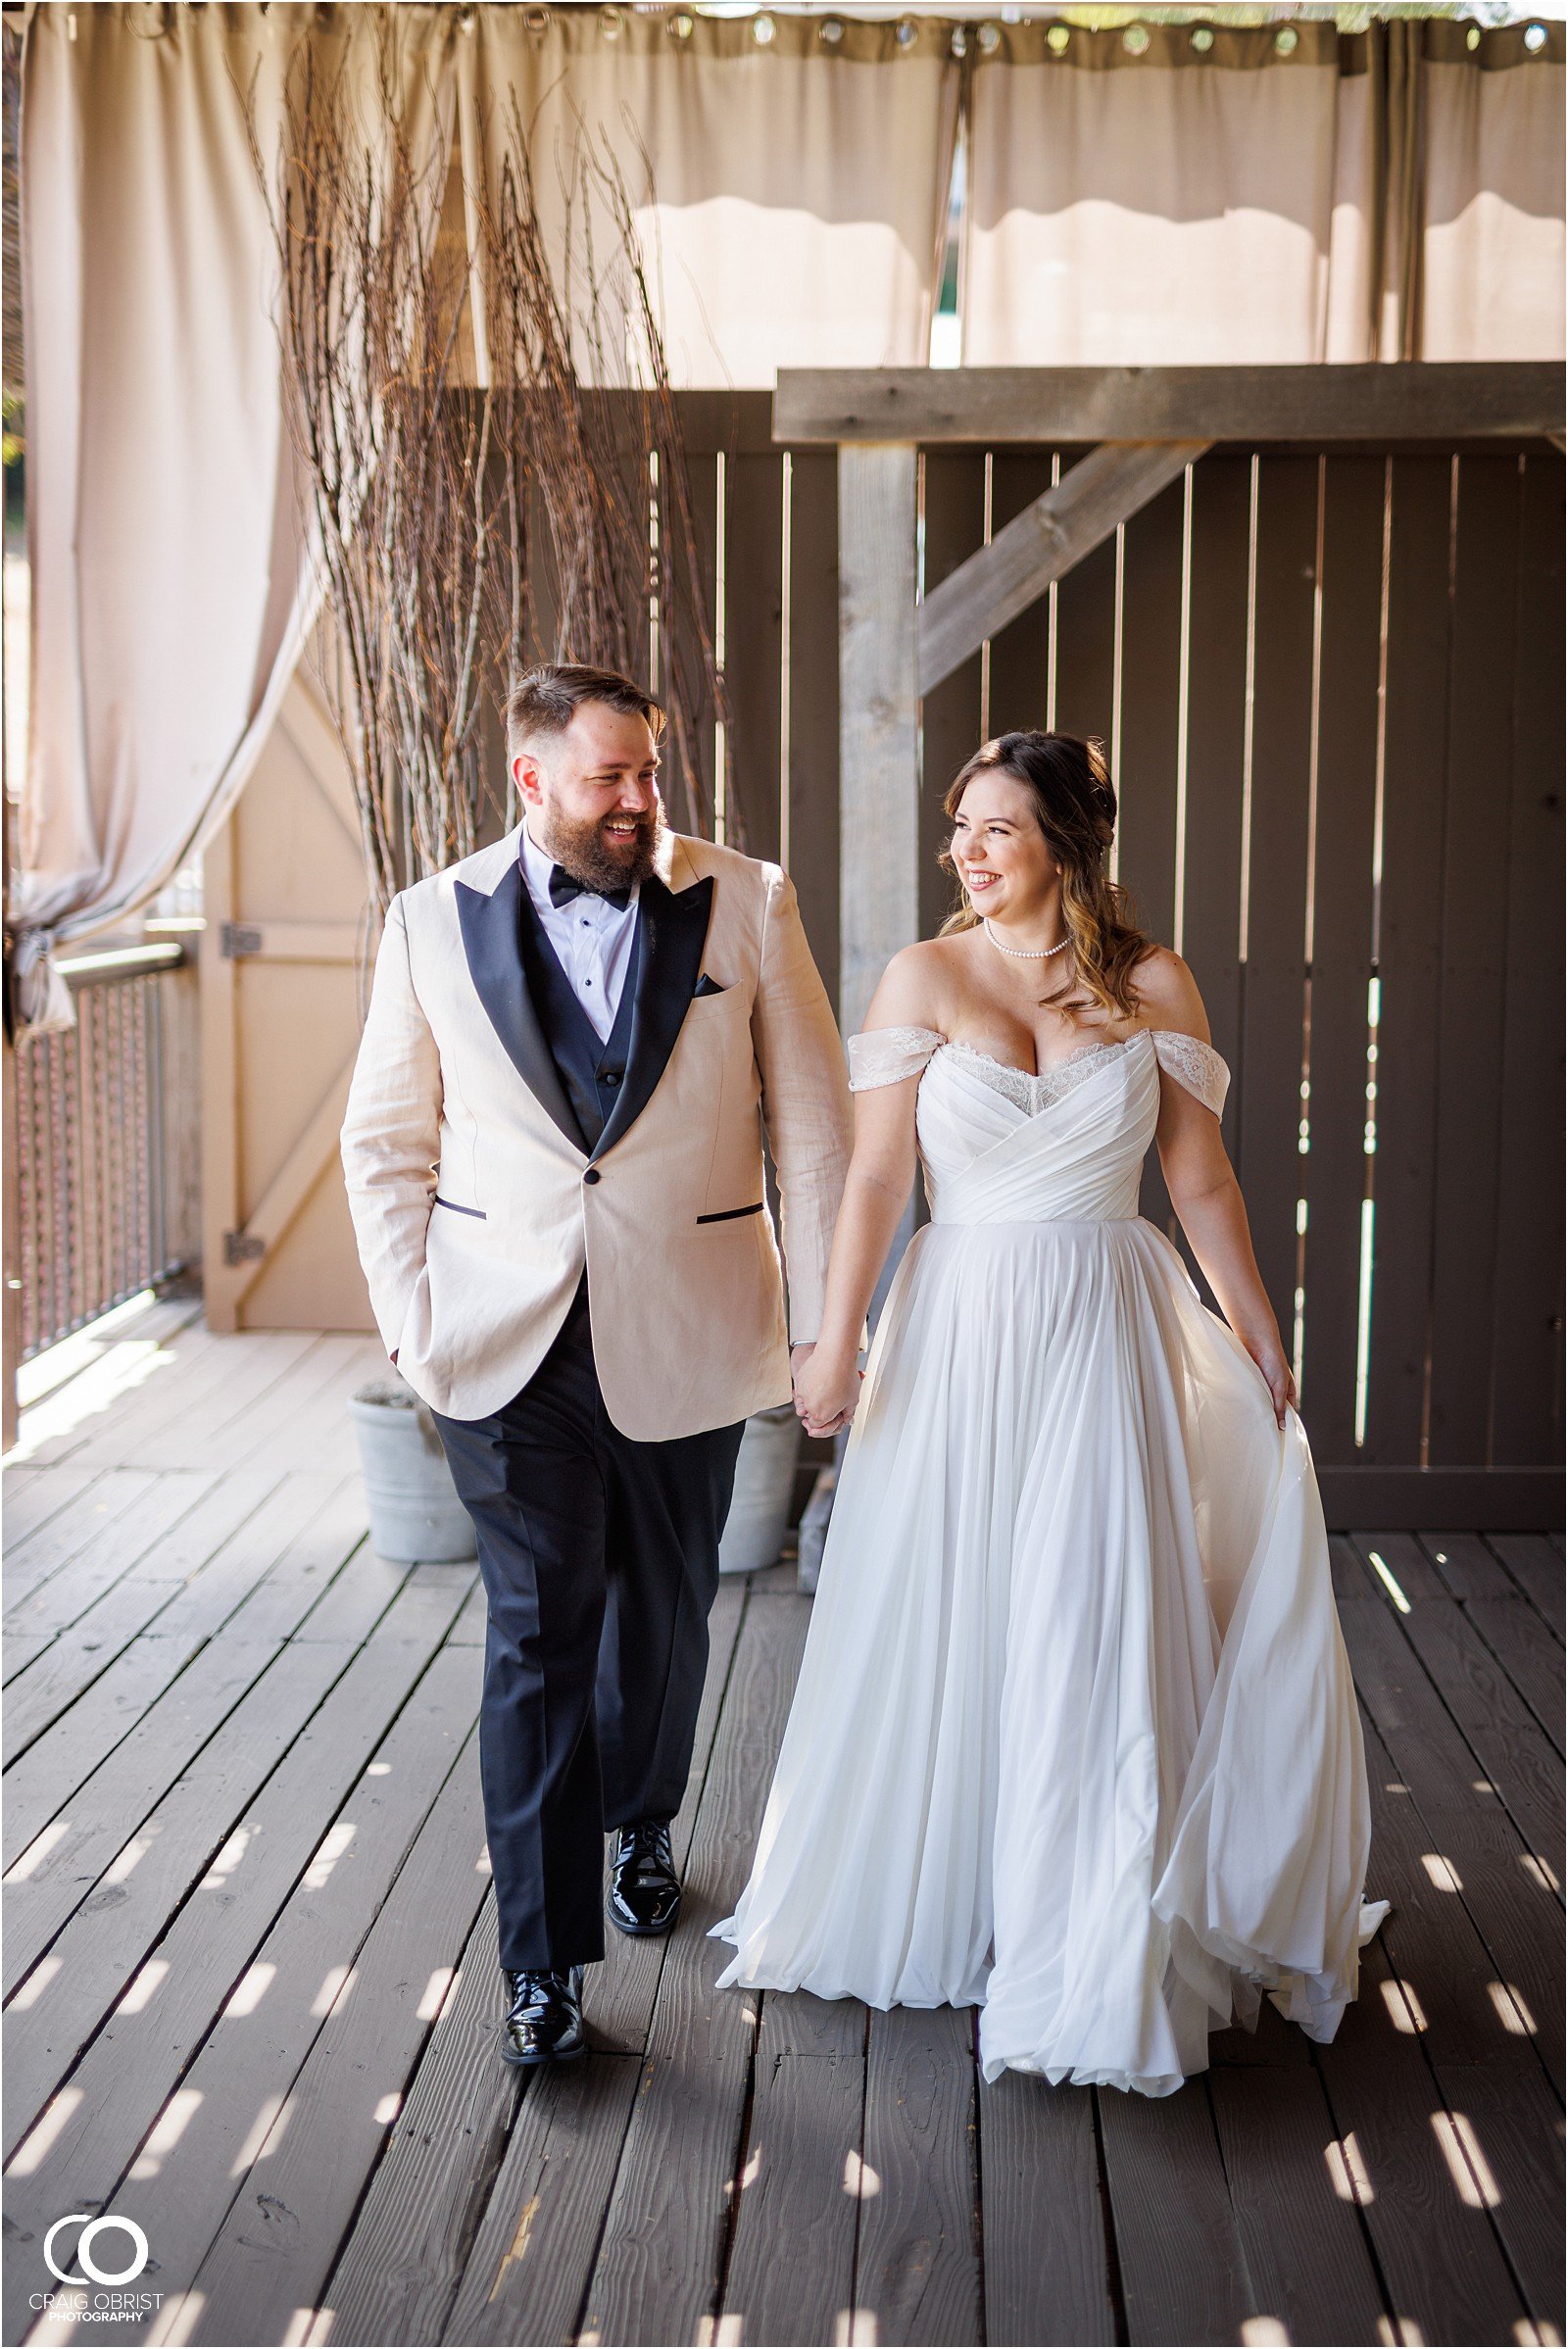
(1195, 1065)
(882, 1056)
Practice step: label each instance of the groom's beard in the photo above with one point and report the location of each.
(596, 857)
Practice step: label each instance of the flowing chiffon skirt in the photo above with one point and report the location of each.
(1075, 1737)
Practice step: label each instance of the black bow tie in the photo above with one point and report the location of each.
(563, 888)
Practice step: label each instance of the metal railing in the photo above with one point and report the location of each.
(108, 1124)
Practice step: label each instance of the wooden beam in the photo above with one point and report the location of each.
(1435, 1500)
(1040, 544)
(1393, 400)
(879, 765)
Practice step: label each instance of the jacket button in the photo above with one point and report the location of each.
(592, 1175)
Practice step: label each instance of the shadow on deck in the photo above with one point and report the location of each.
(252, 1988)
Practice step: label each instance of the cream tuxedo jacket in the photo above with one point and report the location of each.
(476, 1204)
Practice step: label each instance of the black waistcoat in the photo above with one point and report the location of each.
(591, 1068)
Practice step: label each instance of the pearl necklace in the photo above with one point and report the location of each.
(1023, 954)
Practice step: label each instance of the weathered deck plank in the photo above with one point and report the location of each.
(1468, 1567)
(1047, 2262)
(95, 2125)
(72, 1747)
(311, 1966)
(1533, 1662)
(1184, 2271)
(1536, 1565)
(89, 1518)
(216, 1671)
(1440, 2258)
(451, 2196)
(791, 2273)
(1496, 1723)
(1311, 2271)
(115, 1929)
(1477, 2032)
(534, 2255)
(405, 2256)
(304, 2184)
(918, 2264)
(49, 1883)
(657, 2271)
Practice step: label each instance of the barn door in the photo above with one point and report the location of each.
(287, 918)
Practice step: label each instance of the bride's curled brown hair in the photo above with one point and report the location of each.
(1075, 806)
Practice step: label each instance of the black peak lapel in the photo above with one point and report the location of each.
(674, 932)
(489, 927)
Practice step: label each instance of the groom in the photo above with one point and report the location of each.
(552, 1154)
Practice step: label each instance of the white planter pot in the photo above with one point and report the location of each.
(764, 1486)
(414, 1510)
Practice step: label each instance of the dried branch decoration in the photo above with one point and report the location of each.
(610, 469)
(447, 515)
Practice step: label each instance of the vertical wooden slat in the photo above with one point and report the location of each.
(1085, 637)
(754, 575)
(1527, 1300)
(1217, 745)
(950, 715)
(1334, 1171)
(878, 751)
(1150, 708)
(814, 690)
(1150, 741)
(1020, 657)
(1274, 984)
(1475, 895)
(1409, 933)
(680, 640)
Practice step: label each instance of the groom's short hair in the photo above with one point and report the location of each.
(546, 699)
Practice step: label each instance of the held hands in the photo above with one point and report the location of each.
(826, 1389)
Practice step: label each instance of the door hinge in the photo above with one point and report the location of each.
(238, 938)
(243, 1247)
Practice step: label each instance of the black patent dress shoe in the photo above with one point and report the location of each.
(644, 1894)
(544, 2024)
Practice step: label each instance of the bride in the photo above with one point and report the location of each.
(1075, 1737)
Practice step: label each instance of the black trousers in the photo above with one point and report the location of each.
(600, 1559)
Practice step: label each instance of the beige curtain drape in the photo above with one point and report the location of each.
(1492, 251)
(172, 590)
(800, 187)
(798, 181)
(1169, 195)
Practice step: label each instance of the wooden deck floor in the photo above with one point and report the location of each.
(252, 1991)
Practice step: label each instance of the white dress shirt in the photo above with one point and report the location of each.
(592, 938)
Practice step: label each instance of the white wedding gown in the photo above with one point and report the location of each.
(1075, 1737)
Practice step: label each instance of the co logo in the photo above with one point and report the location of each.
(84, 2241)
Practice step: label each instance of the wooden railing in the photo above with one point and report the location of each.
(108, 1121)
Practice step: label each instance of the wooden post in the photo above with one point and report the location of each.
(10, 1161)
(221, 1176)
(879, 750)
(11, 1252)
(879, 767)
